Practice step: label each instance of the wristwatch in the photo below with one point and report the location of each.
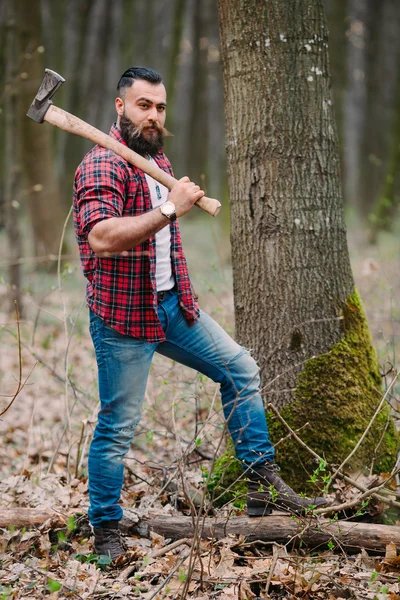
(168, 210)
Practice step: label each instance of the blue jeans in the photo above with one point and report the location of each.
(123, 367)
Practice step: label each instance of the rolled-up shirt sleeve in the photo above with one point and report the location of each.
(99, 191)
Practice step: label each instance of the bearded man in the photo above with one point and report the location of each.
(141, 301)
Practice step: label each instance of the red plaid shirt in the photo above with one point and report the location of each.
(121, 289)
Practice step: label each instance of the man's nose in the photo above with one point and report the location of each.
(152, 115)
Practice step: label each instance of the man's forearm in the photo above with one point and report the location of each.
(114, 235)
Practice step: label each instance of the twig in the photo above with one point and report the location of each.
(194, 549)
(126, 573)
(21, 384)
(350, 503)
(169, 576)
(289, 435)
(169, 547)
(79, 448)
(293, 433)
(67, 411)
(275, 557)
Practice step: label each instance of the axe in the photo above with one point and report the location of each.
(43, 109)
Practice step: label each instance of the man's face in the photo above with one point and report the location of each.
(141, 116)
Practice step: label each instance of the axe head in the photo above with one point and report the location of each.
(50, 84)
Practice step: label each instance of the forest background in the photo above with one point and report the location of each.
(90, 43)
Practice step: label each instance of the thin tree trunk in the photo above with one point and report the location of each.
(12, 160)
(112, 65)
(128, 53)
(42, 188)
(197, 131)
(74, 28)
(144, 31)
(177, 32)
(355, 101)
(182, 102)
(295, 303)
(91, 74)
(172, 71)
(217, 182)
(381, 79)
(3, 60)
(387, 207)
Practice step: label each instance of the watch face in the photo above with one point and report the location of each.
(168, 209)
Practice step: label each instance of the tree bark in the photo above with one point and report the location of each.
(295, 303)
(274, 528)
(336, 11)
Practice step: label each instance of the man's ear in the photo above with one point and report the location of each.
(119, 106)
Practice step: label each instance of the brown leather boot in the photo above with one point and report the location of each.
(268, 491)
(107, 540)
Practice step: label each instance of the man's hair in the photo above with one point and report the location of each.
(133, 73)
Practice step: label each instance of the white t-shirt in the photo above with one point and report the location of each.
(164, 277)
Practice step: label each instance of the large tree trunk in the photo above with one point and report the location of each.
(295, 303)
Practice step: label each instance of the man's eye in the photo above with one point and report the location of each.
(161, 108)
(143, 105)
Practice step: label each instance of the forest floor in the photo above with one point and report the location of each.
(47, 430)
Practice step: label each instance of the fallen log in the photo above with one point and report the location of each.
(30, 517)
(281, 529)
(310, 532)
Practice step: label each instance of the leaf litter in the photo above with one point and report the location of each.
(43, 466)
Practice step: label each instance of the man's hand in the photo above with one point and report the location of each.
(117, 234)
(184, 194)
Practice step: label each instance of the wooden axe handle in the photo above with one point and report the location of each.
(64, 120)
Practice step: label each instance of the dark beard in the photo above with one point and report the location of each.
(136, 141)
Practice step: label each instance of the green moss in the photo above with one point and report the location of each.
(227, 483)
(337, 394)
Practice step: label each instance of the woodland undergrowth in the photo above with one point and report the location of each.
(48, 383)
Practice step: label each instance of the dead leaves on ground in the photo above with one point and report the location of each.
(33, 565)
